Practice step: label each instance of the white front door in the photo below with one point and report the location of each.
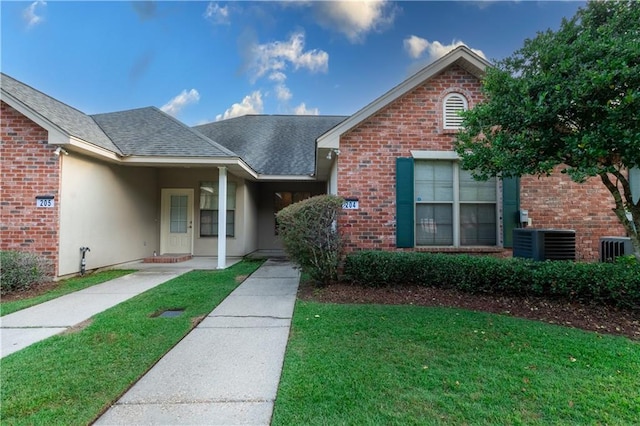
(176, 234)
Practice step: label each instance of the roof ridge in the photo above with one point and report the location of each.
(3, 75)
(274, 115)
(63, 106)
(205, 138)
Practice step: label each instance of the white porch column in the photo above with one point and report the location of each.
(222, 217)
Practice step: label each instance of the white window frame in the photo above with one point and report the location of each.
(451, 156)
(450, 109)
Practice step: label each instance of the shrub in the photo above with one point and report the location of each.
(310, 238)
(604, 283)
(21, 270)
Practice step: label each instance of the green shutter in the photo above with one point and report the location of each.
(404, 202)
(510, 208)
(634, 181)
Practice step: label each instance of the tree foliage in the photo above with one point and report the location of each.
(569, 97)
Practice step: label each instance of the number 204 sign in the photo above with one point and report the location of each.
(350, 204)
(45, 202)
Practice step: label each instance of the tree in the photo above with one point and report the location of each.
(567, 98)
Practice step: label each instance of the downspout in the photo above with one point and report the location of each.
(222, 217)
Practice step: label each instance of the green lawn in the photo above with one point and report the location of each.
(66, 286)
(69, 379)
(403, 365)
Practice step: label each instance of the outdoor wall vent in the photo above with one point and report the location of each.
(612, 247)
(544, 244)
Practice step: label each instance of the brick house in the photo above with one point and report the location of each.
(133, 183)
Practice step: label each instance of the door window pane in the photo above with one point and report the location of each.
(434, 224)
(178, 214)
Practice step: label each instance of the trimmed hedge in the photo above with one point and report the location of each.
(310, 238)
(21, 270)
(603, 283)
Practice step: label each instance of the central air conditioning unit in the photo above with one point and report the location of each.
(544, 244)
(612, 247)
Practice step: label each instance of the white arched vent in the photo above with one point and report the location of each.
(453, 104)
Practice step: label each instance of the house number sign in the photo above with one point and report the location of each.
(45, 201)
(350, 204)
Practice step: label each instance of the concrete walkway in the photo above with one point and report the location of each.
(28, 326)
(227, 370)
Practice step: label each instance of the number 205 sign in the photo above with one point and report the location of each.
(45, 202)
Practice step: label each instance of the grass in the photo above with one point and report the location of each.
(404, 365)
(64, 287)
(71, 378)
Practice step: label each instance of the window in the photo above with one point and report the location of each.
(178, 214)
(453, 104)
(451, 208)
(285, 198)
(209, 209)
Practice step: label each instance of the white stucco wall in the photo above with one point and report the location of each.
(111, 209)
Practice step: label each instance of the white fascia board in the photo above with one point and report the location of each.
(435, 155)
(331, 139)
(56, 136)
(136, 160)
(92, 150)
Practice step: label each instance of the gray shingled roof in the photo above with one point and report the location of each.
(270, 144)
(151, 132)
(71, 121)
(273, 144)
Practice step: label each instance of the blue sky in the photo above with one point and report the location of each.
(203, 61)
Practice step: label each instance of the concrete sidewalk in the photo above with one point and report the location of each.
(227, 370)
(28, 326)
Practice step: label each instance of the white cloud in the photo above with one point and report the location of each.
(275, 57)
(29, 14)
(416, 46)
(355, 19)
(251, 104)
(175, 105)
(217, 14)
(282, 92)
(278, 76)
(303, 110)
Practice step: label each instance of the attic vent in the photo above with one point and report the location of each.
(454, 103)
(544, 244)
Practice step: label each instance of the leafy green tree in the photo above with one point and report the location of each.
(571, 98)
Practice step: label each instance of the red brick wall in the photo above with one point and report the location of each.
(29, 169)
(366, 164)
(366, 170)
(558, 202)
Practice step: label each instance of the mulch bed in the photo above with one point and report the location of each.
(606, 320)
